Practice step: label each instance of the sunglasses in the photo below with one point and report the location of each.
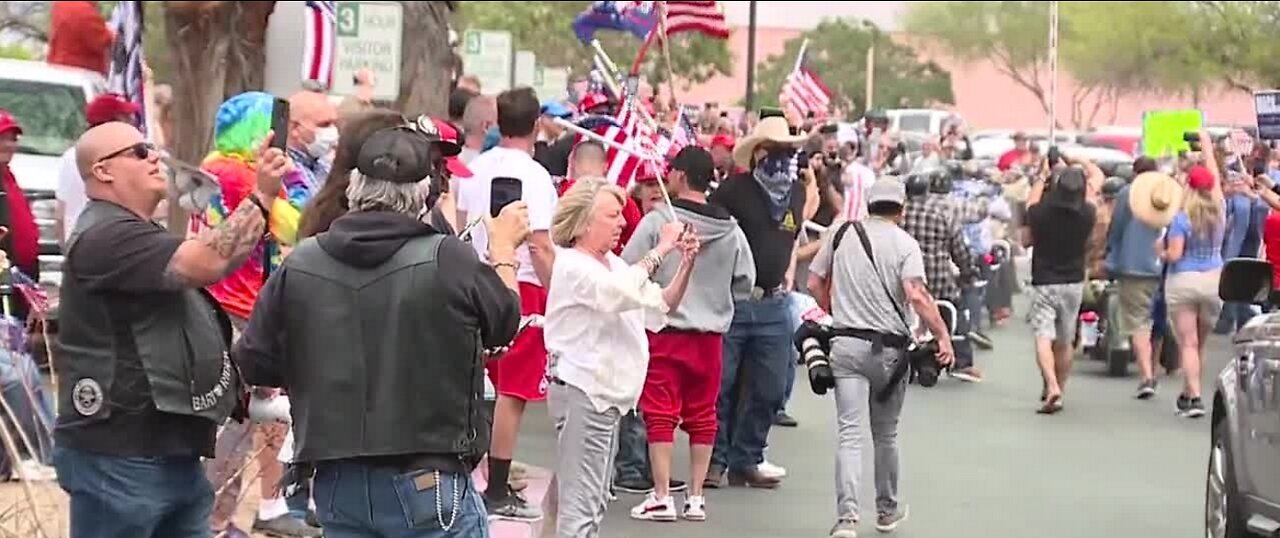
(139, 151)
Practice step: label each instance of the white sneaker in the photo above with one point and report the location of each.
(655, 509)
(770, 470)
(695, 508)
(34, 471)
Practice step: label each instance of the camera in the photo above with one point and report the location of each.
(924, 363)
(813, 341)
(1192, 139)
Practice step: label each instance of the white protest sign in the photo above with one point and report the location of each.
(551, 83)
(488, 55)
(369, 37)
(526, 65)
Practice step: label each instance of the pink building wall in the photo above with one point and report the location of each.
(986, 98)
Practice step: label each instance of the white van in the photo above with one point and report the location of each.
(921, 120)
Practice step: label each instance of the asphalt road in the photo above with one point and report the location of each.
(977, 461)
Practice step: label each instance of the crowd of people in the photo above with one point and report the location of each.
(367, 261)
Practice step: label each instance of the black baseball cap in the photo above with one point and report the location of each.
(398, 155)
(695, 162)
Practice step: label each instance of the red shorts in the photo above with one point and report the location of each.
(521, 372)
(682, 385)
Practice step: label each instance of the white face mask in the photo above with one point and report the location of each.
(326, 139)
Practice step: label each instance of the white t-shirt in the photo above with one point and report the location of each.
(70, 192)
(537, 190)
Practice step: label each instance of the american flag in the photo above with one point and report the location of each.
(805, 92)
(318, 42)
(696, 16)
(125, 76)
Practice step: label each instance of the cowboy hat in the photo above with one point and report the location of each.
(773, 129)
(1155, 198)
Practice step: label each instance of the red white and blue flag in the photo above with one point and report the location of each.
(805, 92)
(320, 26)
(704, 17)
(125, 76)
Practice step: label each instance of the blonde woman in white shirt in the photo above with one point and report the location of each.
(598, 309)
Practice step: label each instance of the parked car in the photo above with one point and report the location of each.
(924, 121)
(1242, 484)
(49, 101)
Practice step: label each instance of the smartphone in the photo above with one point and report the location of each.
(502, 192)
(280, 123)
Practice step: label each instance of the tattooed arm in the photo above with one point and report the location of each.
(924, 305)
(217, 251)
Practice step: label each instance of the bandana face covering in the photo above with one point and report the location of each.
(774, 175)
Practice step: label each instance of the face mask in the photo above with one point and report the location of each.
(776, 164)
(326, 139)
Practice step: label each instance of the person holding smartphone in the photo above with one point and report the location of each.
(519, 375)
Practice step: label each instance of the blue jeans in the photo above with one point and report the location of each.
(355, 500)
(632, 461)
(962, 346)
(753, 381)
(1233, 317)
(972, 301)
(794, 358)
(115, 497)
(23, 389)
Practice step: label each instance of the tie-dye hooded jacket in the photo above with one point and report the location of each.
(239, 128)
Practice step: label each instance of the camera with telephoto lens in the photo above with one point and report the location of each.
(813, 341)
(923, 358)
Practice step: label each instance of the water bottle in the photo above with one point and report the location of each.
(1089, 329)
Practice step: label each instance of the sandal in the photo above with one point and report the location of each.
(1052, 404)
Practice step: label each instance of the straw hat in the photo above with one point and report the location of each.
(1155, 198)
(772, 129)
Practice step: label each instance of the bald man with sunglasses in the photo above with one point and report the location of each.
(147, 378)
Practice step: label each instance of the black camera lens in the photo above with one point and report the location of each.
(927, 376)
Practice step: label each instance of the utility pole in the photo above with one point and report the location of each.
(751, 58)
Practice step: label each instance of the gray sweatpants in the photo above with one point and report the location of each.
(860, 375)
(585, 442)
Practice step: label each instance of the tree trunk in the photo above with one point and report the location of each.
(248, 47)
(426, 59)
(217, 50)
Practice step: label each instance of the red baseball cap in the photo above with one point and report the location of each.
(449, 140)
(723, 141)
(1200, 178)
(107, 108)
(8, 123)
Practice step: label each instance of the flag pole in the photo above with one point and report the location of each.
(1053, 72)
(871, 75)
(751, 57)
(666, 51)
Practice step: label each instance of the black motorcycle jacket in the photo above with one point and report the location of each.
(375, 328)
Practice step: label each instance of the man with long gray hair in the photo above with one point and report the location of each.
(383, 310)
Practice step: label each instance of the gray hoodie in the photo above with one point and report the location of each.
(723, 272)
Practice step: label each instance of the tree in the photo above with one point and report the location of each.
(1238, 38)
(543, 28)
(1116, 49)
(837, 52)
(1012, 35)
(15, 51)
(25, 20)
(425, 54)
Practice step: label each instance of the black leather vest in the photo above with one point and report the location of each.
(179, 340)
(376, 361)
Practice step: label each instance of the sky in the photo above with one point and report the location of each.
(805, 15)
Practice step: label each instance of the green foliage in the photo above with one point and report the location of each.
(1136, 47)
(543, 27)
(838, 51)
(1239, 38)
(17, 51)
(1012, 35)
